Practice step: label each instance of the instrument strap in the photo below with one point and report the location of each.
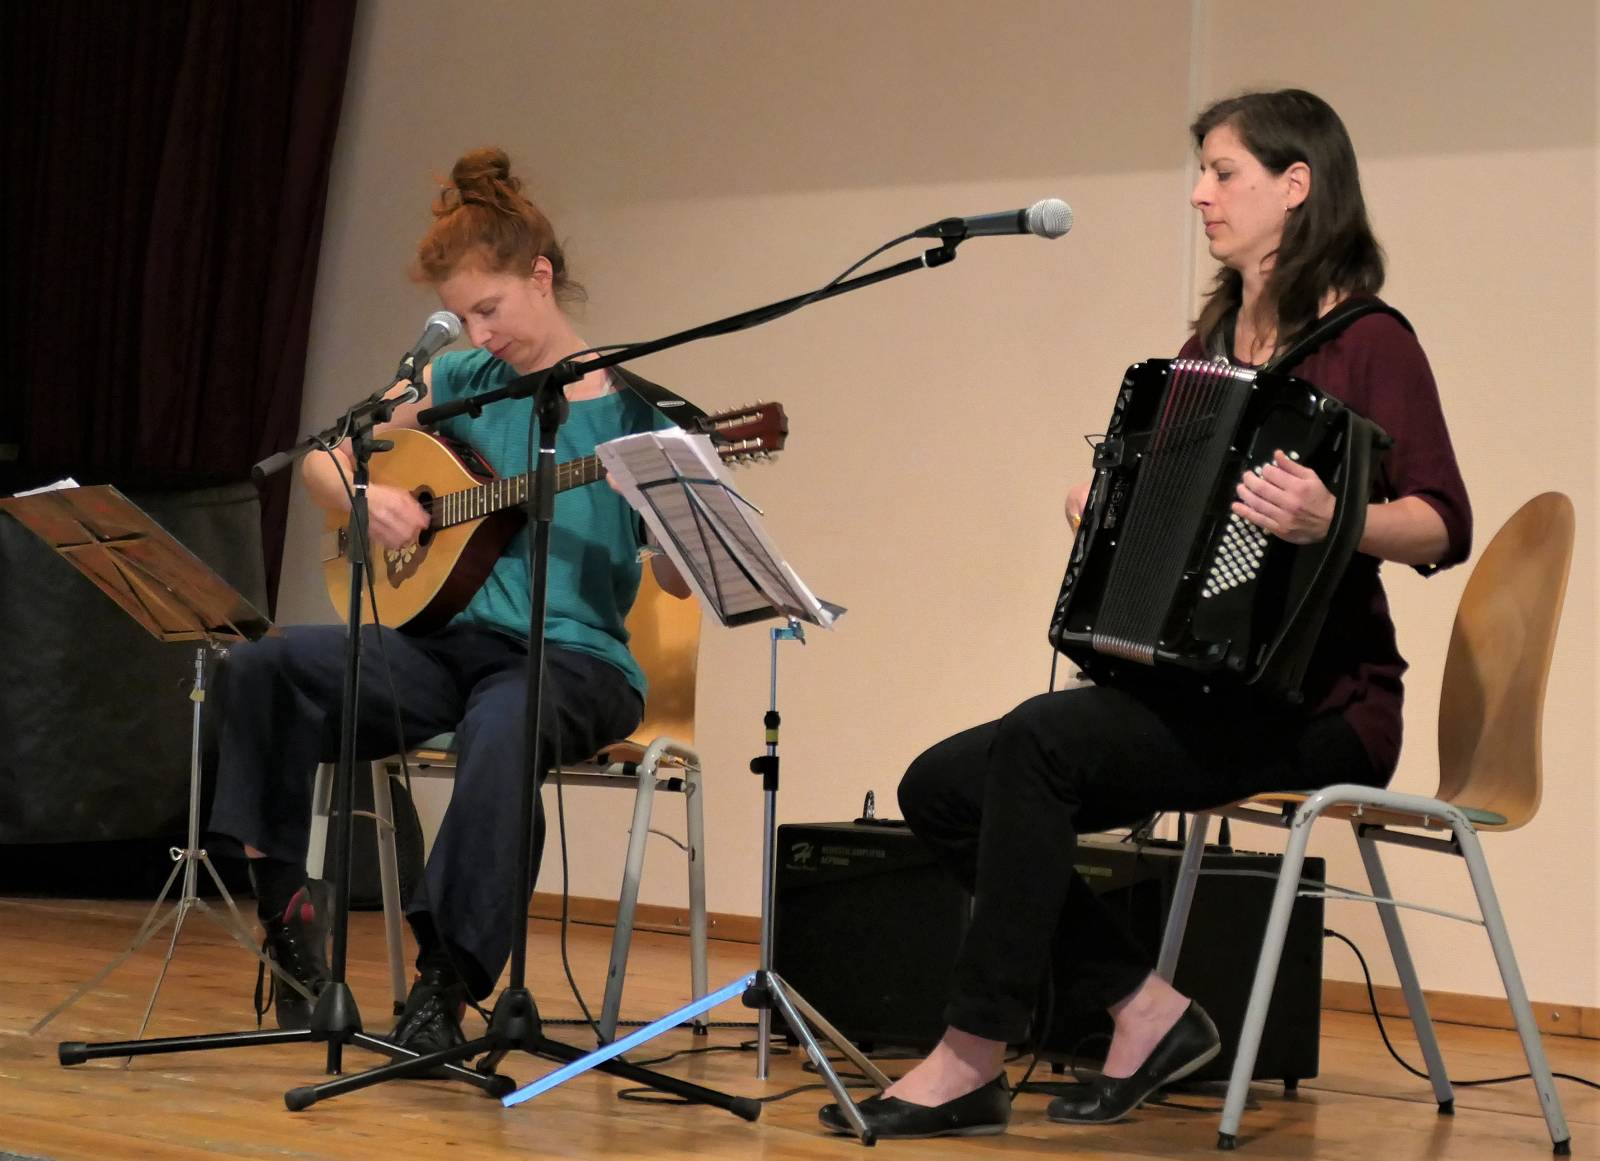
(674, 406)
(1329, 327)
(1321, 331)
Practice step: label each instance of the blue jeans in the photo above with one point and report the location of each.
(278, 701)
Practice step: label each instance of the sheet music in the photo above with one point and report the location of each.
(66, 482)
(675, 480)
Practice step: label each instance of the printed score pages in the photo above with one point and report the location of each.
(676, 481)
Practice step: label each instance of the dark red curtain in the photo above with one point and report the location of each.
(166, 172)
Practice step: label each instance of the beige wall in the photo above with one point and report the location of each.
(699, 158)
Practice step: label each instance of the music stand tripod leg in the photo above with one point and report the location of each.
(781, 987)
(146, 930)
(608, 1052)
(784, 1002)
(769, 990)
(182, 912)
(188, 898)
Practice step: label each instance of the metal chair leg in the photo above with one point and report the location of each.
(389, 878)
(321, 807)
(628, 898)
(1410, 986)
(1182, 897)
(1499, 939)
(1255, 1019)
(696, 833)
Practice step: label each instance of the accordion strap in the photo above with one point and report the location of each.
(1329, 327)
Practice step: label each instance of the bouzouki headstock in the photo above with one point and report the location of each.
(744, 434)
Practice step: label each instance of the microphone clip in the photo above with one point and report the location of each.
(947, 229)
(416, 391)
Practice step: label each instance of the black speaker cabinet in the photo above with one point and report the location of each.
(866, 928)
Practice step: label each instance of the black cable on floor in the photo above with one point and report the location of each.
(1372, 1000)
(649, 1096)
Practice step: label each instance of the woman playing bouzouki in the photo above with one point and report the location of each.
(492, 257)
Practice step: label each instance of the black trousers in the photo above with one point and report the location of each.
(278, 716)
(1002, 805)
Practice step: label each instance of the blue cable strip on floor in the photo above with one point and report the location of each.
(617, 1047)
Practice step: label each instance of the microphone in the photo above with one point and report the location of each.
(441, 329)
(1049, 218)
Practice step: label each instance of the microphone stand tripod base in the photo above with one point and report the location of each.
(515, 1025)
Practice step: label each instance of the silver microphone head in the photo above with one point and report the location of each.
(449, 327)
(1049, 218)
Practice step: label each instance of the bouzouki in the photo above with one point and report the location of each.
(473, 514)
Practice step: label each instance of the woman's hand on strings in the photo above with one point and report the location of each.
(1287, 499)
(394, 518)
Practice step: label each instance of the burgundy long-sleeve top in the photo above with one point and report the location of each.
(1378, 369)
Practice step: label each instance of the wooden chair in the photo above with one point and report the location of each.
(1490, 710)
(664, 637)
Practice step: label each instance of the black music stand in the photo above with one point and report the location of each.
(676, 482)
(175, 596)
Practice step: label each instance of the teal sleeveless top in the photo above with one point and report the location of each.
(596, 537)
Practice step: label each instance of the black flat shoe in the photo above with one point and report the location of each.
(981, 1112)
(1188, 1044)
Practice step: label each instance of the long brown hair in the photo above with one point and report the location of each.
(482, 216)
(1327, 241)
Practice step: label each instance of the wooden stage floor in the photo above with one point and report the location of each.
(230, 1103)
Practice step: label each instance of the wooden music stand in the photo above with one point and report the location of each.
(176, 597)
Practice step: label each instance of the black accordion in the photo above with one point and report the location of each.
(1163, 575)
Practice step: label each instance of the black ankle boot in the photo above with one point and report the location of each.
(295, 942)
(431, 1019)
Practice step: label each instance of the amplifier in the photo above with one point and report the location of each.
(866, 927)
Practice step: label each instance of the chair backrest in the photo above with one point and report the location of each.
(664, 637)
(1492, 701)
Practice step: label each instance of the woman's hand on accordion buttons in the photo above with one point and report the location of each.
(1287, 499)
(1077, 500)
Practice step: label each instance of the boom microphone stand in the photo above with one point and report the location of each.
(514, 1023)
(335, 1020)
